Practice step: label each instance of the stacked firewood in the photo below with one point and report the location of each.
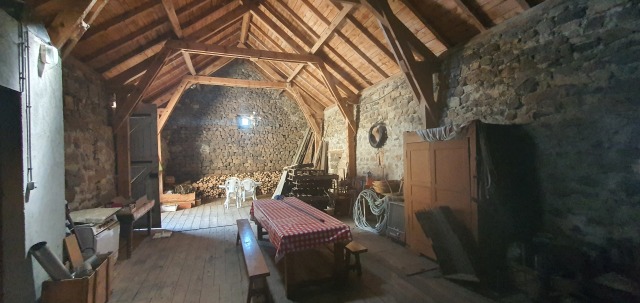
(207, 187)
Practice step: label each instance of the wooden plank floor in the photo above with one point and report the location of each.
(201, 263)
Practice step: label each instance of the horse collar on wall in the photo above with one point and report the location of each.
(378, 135)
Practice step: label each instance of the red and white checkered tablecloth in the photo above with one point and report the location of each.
(293, 225)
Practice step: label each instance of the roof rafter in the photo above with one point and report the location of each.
(436, 32)
(246, 21)
(474, 17)
(417, 75)
(203, 34)
(123, 111)
(278, 46)
(139, 10)
(281, 33)
(345, 108)
(115, 46)
(348, 41)
(65, 23)
(314, 87)
(177, 29)
(337, 21)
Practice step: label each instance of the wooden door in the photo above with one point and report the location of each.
(143, 147)
(440, 173)
(418, 189)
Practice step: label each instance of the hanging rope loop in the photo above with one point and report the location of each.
(378, 207)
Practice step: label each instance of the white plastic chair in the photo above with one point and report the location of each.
(232, 187)
(248, 188)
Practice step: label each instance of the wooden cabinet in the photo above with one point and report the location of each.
(441, 173)
(488, 178)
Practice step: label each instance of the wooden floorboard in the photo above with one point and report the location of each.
(200, 263)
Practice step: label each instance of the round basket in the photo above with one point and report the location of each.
(386, 186)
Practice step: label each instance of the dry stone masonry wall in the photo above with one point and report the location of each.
(393, 103)
(88, 140)
(570, 71)
(203, 138)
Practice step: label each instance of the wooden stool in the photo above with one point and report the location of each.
(356, 249)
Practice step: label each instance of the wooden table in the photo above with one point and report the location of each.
(127, 216)
(294, 226)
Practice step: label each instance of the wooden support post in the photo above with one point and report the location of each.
(351, 151)
(123, 160)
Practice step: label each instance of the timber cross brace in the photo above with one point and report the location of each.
(406, 47)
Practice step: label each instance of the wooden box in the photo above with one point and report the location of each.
(95, 288)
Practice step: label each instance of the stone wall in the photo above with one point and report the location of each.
(335, 135)
(203, 137)
(88, 139)
(393, 103)
(570, 71)
(390, 101)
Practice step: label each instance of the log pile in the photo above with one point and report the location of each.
(207, 187)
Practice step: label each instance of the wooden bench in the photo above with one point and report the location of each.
(127, 216)
(257, 269)
(356, 249)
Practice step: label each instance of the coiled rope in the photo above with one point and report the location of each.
(378, 207)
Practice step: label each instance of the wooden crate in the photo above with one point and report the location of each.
(95, 288)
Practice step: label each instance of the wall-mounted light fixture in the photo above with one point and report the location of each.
(244, 121)
(113, 101)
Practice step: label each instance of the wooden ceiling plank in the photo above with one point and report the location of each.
(65, 23)
(138, 53)
(417, 75)
(217, 26)
(246, 21)
(111, 48)
(43, 8)
(299, 20)
(236, 52)
(123, 111)
(355, 70)
(348, 41)
(115, 46)
(523, 4)
(337, 21)
(173, 18)
(278, 30)
(431, 27)
(177, 93)
(213, 28)
(367, 34)
(474, 18)
(345, 109)
(133, 13)
(305, 39)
